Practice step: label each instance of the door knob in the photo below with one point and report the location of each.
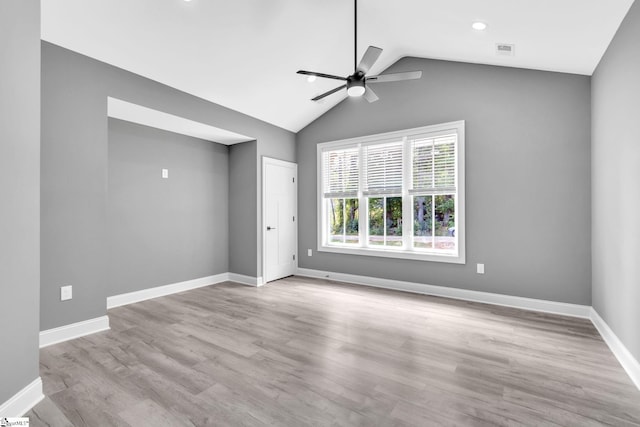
(270, 228)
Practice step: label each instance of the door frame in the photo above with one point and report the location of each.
(276, 162)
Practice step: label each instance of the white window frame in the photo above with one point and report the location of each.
(406, 252)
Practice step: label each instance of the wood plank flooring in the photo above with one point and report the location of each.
(307, 352)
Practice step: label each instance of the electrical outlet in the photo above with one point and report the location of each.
(480, 269)
(309, 252)
(165, 173)
(66, 293)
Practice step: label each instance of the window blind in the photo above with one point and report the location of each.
(340, 170)
(383, 169)
(434, 165)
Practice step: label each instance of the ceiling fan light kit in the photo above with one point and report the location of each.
(357, 84)
(355, 87)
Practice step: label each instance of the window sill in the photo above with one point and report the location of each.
(397, 254)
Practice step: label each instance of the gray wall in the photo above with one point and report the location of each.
(20, 189)
(527, 176)
(243, 175)
(74, 171)
(616, 183)
(164, 231)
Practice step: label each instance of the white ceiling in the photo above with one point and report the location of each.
(243, 54)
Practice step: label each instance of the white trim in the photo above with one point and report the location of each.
(565, 309)
(393, 253)
(73, 331)
(269, 160)
(99, 324)
(245, 280)
(461, 179)
(160, 291)
(381, 137)
(624, 356)
(22, 402)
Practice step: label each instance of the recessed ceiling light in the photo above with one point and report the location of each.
(480, 26)
(311, 79)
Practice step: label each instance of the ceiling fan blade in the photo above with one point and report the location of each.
(368, 59)
(395, 77)
(370, 95)
(332, 91)
(326, 76)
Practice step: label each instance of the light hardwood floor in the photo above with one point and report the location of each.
(307, 352)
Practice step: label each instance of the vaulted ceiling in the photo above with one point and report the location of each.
(243, 54)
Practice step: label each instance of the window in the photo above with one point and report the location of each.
(399, 194)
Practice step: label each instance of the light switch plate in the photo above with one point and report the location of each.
(66, 293)
(480, 268)
(309, 252)
(165, 173)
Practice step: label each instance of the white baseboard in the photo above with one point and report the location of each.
(161, 291)
(22, 401)
(245, 280)
(74, 330)
(565, 309)
(87, 327)
(624, 356)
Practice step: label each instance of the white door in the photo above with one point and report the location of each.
(280, 246)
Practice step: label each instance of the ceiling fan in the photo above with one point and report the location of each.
(357, 84)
